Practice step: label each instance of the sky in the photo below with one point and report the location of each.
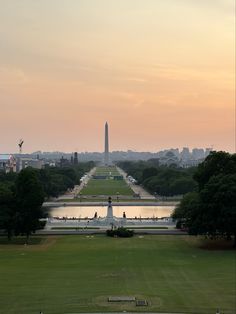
(161, 73)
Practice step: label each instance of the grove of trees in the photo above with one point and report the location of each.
(161, 180)
(21, 204)
(211, 209)
(57, 180)
(22, 195)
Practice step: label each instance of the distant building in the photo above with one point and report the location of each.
(198, 153)
(75, 160)
(7, 163)
(185, 154)
(169, 158)
(24, 162)
(208, 151)
(64, 162)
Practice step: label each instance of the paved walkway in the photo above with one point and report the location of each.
(85, 182)
(77, 188)
(136, 188)
(102, 231)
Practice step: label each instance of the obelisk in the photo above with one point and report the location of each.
(106, 152)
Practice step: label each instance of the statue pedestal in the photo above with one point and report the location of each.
(109, 212)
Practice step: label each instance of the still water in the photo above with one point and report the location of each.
(131, 211)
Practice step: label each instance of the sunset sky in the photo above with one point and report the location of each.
(160, 72)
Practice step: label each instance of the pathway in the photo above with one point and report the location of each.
(136, 188)
(114, 203)
(103, 231)
(77, 188)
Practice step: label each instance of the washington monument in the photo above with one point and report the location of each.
(106, 152)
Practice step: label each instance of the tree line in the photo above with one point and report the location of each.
(161, 180)
(22, 195)
(57, 180)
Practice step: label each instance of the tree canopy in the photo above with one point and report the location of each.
(29, 200)
(212, 210)
(22, 195)
(161, 180)
(7, 209)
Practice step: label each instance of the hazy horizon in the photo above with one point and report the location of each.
(16, 151)
(162, 73)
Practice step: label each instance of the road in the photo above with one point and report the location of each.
(102, 231)
(136, 188)
(139, 203)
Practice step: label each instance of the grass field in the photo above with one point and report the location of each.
(107, 171)
(107, 186)
(71, 274)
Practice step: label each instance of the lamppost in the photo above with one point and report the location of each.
(80, 197)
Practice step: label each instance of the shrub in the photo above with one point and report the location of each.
(120, 232)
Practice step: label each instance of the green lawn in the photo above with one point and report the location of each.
(71, 274)
(107, 171)
(107, 187)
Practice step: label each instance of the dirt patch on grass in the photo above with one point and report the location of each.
(35, 243)
(46, 242)
(20, 241)
(200, 242)
(218, 244)
(154, 302)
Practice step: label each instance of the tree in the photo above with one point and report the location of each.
(149, 172)
(7, 210)
(217, 216)
(182, 185)
(29, 200)
(212, 210)
(163, 180)
(216, 163)
(185, 210)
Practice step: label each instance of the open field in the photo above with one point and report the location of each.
(107, 171)
(107, 186)
(71, 274)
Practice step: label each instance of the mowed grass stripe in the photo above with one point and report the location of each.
(78, 273)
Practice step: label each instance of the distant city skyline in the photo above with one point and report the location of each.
(101, 151)
(161, 73)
